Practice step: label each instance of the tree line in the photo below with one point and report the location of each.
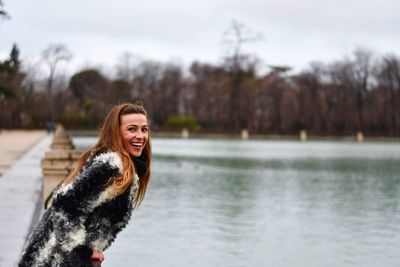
(360, 92)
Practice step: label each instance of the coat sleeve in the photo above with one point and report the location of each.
(103, 226)
(75, 201)
(89, 189)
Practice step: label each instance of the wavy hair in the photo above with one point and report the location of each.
(110, 138)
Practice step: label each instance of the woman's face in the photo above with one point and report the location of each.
(135, 133)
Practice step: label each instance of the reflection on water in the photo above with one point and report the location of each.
(264, 203)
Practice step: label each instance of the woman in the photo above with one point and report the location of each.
(96, 200)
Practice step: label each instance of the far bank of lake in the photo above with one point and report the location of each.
(274, 137)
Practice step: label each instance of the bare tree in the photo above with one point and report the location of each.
(53, 55)
(235, 37)
(145, 84)
(29, 94)
(208, 96)
(273, 90)
(238, 63)
(389, 82)
(125, 68)
(309, 88)
(362, 72)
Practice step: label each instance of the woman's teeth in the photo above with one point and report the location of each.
(137, 144)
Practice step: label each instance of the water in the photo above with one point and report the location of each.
(265, 203)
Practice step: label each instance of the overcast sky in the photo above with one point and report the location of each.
(295, 32)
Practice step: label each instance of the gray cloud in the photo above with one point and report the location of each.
(296, 32)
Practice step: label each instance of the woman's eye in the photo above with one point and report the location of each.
(144, 130)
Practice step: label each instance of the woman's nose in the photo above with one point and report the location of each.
(139, 134)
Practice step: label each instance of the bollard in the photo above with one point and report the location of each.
(244, 134)
(360, 137)
(185, 133)
(303, 135)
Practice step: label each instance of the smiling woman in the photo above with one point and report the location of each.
(96, 200)
(135, 133)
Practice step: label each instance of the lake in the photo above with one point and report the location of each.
(265, 203)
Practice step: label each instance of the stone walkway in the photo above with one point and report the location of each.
(14, 143)
(20, 188)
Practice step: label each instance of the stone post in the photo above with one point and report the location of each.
(244, 134)
(185, 133)
(360, 137)
(303, 135)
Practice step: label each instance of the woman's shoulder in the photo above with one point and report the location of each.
(105, 157)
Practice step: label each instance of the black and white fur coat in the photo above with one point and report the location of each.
(82, 217)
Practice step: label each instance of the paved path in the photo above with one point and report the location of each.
(14, 143)
(20, 188)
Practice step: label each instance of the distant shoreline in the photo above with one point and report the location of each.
(237, 136)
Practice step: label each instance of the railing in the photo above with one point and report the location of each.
(59, 161)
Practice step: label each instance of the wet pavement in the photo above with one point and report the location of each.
(21, 184)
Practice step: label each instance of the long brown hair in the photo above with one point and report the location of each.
(110, 138)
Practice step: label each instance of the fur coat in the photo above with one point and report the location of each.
(82, 217)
